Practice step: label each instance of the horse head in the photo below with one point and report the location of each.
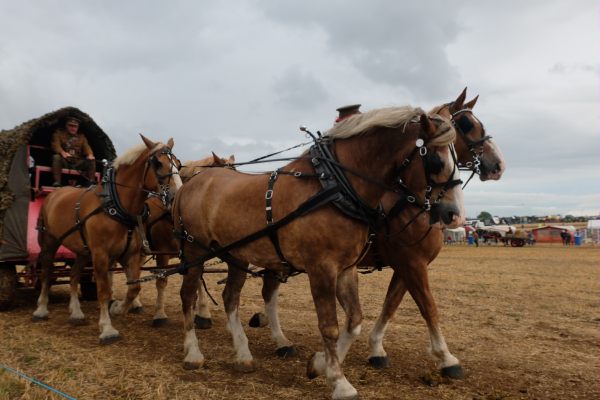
(164, 167)
(440, 177)
(475, 149)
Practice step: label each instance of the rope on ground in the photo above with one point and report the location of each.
(39, 383)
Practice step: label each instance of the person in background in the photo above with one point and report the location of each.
(72, 151)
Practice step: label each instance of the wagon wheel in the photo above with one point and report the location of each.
(8, 286)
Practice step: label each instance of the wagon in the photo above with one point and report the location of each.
(517, 238)
(25, 181)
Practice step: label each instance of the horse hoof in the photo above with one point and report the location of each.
(286, 351)
(379, 362)
(202, 323)
(192, 365)
(258, 320)
(136, 310)
(311, 372)
(36, 318)
(158, 322)
(453, 372)
(245, 366)
(77, 321)
(109, 340)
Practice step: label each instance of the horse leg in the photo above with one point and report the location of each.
(160, 316)
(193, 358)
(377, 355)
(77, 317)
(46, 258)
(270, 295)
(132, 268)
(202, 317)
(347, 295)
(236, 278)
(108, 334)
(322, 286)
(417, 281)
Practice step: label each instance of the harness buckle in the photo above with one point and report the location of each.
(411, 199)
(405, 162)
(297, 174)
(189, 238)
(112, 212)
(422, 151)
(269, 194)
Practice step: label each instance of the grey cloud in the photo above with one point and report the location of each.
(300, 89)
(396, 43)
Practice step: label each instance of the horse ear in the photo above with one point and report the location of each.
(170, 143)
(149, 143)
(458, 103)
(471, 103)
(216, 159)
(231, 159)
(427, 125)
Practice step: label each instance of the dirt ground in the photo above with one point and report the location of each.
(525, 323)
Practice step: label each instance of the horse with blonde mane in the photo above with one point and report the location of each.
(159, 233)
(100, 224)
(373, 150)
(408, 244)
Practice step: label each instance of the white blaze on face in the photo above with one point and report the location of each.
(495, 151)
(176, 178)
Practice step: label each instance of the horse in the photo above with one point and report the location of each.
(216, 208)
(102, 227)
(408, 244)
(159, 233)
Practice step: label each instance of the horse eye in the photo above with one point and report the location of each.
(436, 165)
(155, 162)
(465, 124)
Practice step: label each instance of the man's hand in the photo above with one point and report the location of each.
(64, 154)
(91, 157)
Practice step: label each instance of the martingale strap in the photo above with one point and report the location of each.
(273, 236)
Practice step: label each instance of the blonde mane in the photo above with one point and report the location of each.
(129, 156)
(390, 117)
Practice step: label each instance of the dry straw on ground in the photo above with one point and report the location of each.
(523, 321)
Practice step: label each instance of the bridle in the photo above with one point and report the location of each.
(164, 180)
(464, 126)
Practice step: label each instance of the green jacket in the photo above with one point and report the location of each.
(76, 145)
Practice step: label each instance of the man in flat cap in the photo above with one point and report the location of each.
(72, 151)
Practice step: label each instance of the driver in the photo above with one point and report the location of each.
(72, 151)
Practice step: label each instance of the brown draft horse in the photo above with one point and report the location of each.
(220, 206)
(409, 248)
(159, 232)
(146, 168)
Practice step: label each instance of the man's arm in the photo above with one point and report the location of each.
(87, 150)
(56, 145)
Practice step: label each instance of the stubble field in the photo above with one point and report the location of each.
(525, 323)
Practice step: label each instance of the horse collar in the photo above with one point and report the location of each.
(112, 205)
(347, 200)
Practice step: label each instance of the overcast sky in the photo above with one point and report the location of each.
(240, 77)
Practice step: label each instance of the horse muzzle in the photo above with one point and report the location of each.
(448, 214)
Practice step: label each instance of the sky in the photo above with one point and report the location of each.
(240, 77)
